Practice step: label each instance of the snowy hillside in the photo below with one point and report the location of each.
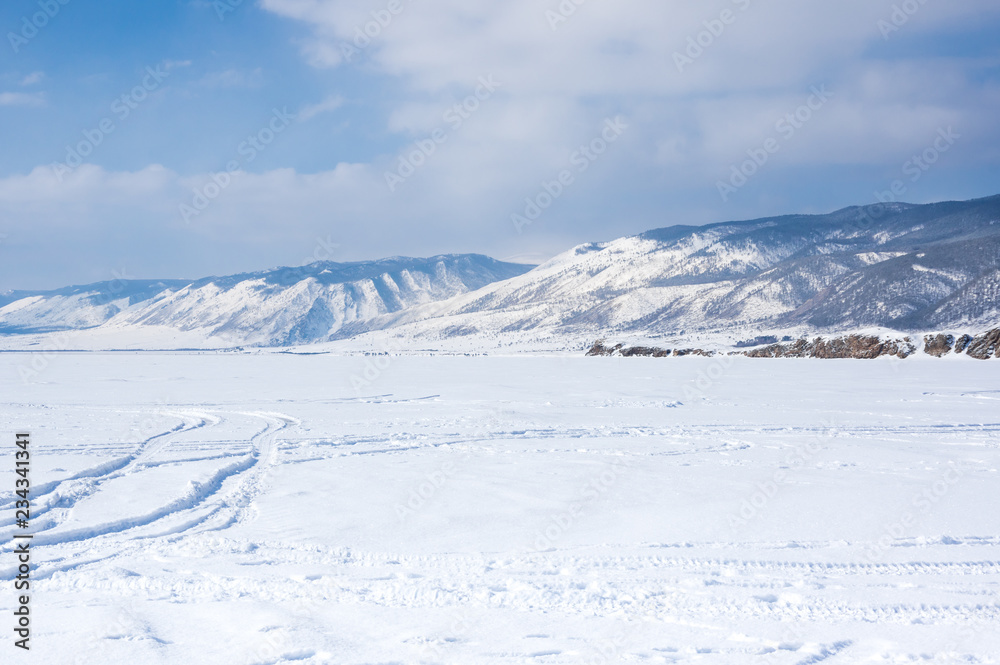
(275, 307)
(897, 267)
(905, 267)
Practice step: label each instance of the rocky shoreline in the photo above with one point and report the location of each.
(980, 347)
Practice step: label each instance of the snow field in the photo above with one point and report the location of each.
(264, 509)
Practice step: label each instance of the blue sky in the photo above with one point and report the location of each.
(273, 132)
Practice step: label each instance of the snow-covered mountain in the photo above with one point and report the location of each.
(273, 307)
(900, 266)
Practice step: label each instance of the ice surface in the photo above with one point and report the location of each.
(258, 509)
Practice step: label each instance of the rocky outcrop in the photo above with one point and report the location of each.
(759, 341)
(985, 346)
(600, 349)
(981, 347)
(852, 346)
(645, 351)
(938, 345)
(693, 352)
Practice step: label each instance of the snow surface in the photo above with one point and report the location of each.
(278, 508)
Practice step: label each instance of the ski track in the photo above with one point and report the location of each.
(712, 592)
(742, 601)
(759, 587)
(87, 482)
(249, 472)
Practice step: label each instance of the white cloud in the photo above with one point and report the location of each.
(33, 78)
(607, 48)
(331, 103)
(619, 58)
(22, 99)
(685, 131)
(611, 58)
(233, 78)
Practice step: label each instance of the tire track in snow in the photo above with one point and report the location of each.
(196, 494)
(250, 470)
(102, 469)
(48, 497)
(238, 503)
(232, 508)
(450, 581)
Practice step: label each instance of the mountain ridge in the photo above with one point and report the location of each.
(277, 306)
(899, 266)
(775, 273)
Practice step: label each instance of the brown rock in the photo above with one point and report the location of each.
(962, 343)
(852, 346)
(985, 346)
(638, 351)
(938, 345)
(693, 352)
(598, 349)
(601, 349)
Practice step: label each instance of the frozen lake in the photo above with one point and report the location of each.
(263, 509)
